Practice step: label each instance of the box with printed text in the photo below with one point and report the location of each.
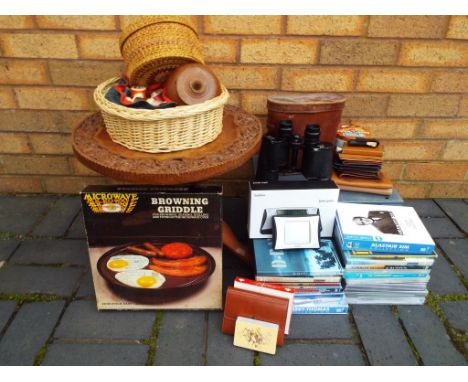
(273, 199)
(155, 247)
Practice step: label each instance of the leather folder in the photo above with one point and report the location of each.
(383, 182)
(254, 305)
(381, 186)
(359, 158)
(363, 151)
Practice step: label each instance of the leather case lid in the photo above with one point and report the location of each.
(254, 305)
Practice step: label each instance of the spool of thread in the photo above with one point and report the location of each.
(190, 84)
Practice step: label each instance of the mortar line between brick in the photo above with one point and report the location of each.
(118, 26)
(35, 23)
(238, 51)
(237, 38)
(303, 67)
(446, 27)
(284, 25)
(367, 21)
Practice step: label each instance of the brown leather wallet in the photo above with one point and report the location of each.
(254, 305)
(363, 151)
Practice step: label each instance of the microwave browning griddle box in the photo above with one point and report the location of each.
(155, 247)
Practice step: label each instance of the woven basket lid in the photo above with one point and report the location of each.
(144, 21)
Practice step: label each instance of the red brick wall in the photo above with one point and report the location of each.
(404, 77)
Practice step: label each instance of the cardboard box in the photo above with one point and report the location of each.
(155, 247)
(265, 196)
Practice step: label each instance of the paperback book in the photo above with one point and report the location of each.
(320, 263)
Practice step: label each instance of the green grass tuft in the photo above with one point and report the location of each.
(457, 337)
(40, 355)
(257, 360)
(151, 342)
(30, 297)
(6, 235)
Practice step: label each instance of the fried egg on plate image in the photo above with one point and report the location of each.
(141, 278)
(127, 263)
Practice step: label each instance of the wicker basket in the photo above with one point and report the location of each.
(153, 46)
(163, 130)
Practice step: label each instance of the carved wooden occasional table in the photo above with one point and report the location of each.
(239, 140)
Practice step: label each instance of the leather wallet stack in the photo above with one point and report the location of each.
(359, 168)
(244, 303)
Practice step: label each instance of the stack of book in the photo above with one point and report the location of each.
(386, 251)
(358, 167)
(314, 274)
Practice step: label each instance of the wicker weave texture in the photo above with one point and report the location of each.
(161, 130)
(155, 45)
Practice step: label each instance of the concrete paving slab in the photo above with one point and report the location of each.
(382, 336)
(7, 247)
(19, 215)
(28, 332)
(59, 217)
(443, 279)
(457, 210)
(86, 289)
(82, 320)
(38, 279)
(6, 310)
(457, 313)
(45, 251)
(220, 348)
(320, 326)
(441, 228)
(457, 252)
(314, 355)
(181, 330)
(77, 229)
(96, 355)
(429, 336)
(425, 208)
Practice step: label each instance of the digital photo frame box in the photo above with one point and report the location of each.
(269, 198)
(154, 247)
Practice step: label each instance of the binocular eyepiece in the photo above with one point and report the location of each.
(280, 154)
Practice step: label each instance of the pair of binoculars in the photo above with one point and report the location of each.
(280, 154)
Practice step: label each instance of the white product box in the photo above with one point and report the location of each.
(382, 228)
(266, 198)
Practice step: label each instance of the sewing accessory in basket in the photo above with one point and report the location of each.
(190, 84)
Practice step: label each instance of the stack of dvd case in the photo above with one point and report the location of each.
(314, 274)
(386, 252)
